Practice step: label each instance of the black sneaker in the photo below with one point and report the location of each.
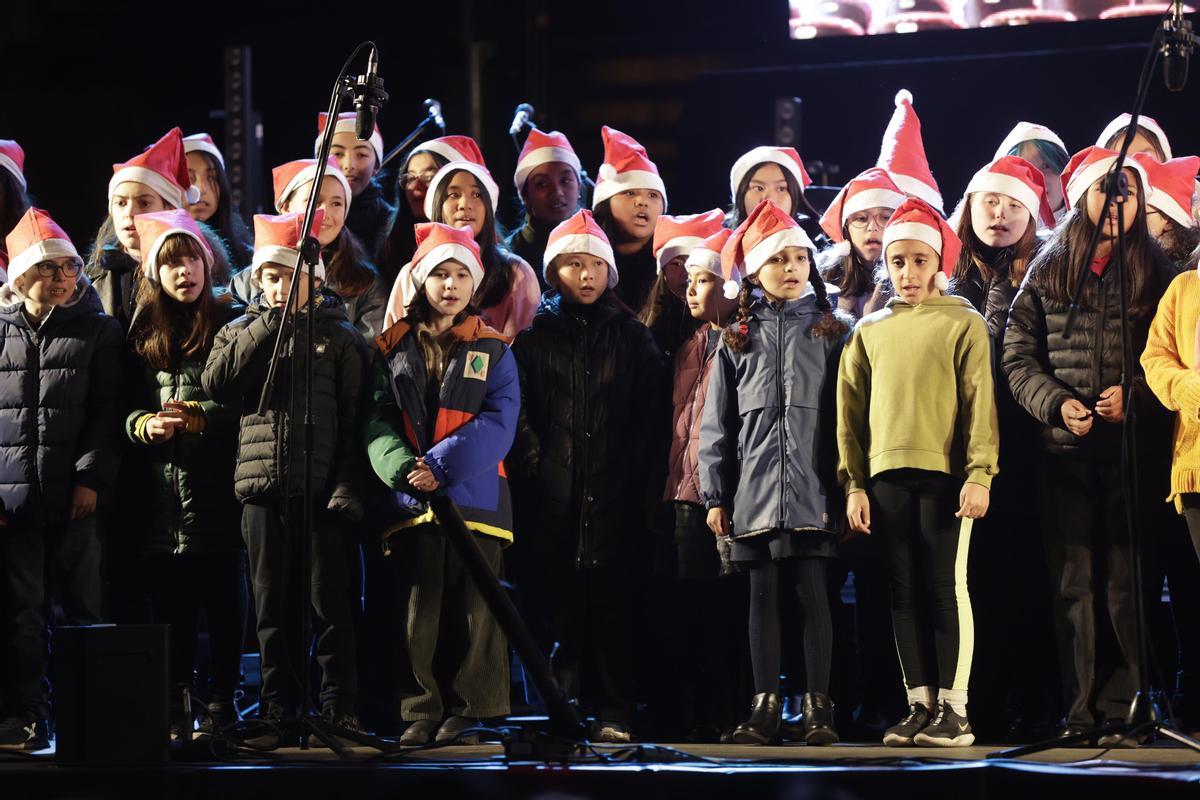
(274, 730)
(948, 729)
(24, 732)
(902, 733)
(345, 721)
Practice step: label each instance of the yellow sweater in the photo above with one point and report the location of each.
(1170, 364)
(915, 389)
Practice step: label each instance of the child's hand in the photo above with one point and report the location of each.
(1077, 417)
(159, 429)
(718, 521)
(83, 502)
(973, 501)
(422, 478)
(858, 512)
(1112, 404)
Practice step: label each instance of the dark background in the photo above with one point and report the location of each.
(84, 85)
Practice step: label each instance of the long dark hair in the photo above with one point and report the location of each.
(400, 244)
(1180, 243)
(660, 300)
(497, 269)
(167, 331)
(852, 275)
(1015, 259)
(801, 208)
(14, 202)
(418, 313)
(226, 220)
(829, 326)
(347, 270)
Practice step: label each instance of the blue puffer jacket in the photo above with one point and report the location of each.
(766, 439)
(59, 404)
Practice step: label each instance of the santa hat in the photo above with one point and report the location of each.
(917, 220)
(450, 148)
(1171, 186)
(786, 157)
(903, 153)
(289, 177)
(277, 241)
(580, 234)
(1090, 165)
(203, 143)
(543, 148)
(765, 232)
(1147, 123)
(438, 243)
(347, 123)
(472, 162)
(12, 158)
(162, 167)
(1027, 132)
(36, 238)
(707, 254)
(676, 236)
(153, 230)
(626, 166)
(1017, 178)
(872, 188)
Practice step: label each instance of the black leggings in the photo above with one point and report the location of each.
(807, 576)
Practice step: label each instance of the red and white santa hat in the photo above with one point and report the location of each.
(580, 234)
(1017, 178)
(36, 238)
(12, 158)
(917, 220)
(765, 232)
(153, 230)
(1027, 132)
(163, 167)
(903, 153)
(277, 241)
(289, 177)
(451, 148)
(203, 143)
(872, 188)
(626, 166)
(472, 162)
(438, 243)
(1148, 123)
(785, 157)
(544, 148)
(1090, 165)
(1172, 185)
(707, 254)
(346, 123)
(677, 236)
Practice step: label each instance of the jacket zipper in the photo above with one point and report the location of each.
(1097, 352)
(175, 473)
(782, 421)
(35, 381)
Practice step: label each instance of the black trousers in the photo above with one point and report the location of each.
(276, 574)
(35, 560)
(927, 547)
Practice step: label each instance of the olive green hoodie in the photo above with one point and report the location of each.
(915, 390)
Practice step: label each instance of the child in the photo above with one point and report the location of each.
(369, 215)
(1043, 148)
(206, 171)
(270, 468)
(1169, 205)
(61, 358)
(917, 447)
(14, 201)
(664, 312)
(777, 174)
(762, 457)
(581, 451)
(550, 185)
(1149, 138)
(183, 459)
(445, 411)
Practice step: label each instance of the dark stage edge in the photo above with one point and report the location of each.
(843, 772)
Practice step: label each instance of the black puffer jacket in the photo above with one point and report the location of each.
(59, 405)
(270, 446)
(113, 272)
(370, 218)
(1044, 369)
(588, 375)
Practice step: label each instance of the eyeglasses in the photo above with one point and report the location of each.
(860, 221)
(426, 177)
(48, 269)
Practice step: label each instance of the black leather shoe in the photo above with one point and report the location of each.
(818, 719)
(1075, 729)
(766, 715)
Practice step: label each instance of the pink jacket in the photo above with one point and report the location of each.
(692, 369)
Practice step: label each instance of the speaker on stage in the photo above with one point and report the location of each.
(110, 693)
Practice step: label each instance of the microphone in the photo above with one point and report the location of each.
(434, 109)
(1178, 43)
(520, 118)
(369, 97)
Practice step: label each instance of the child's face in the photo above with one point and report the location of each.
(676, 276)
(865, 229)
(1140, 144)
(464, 206)
(767, 183)
(276, 282)
(420, 171)
(332, 199)
(705, 299)
(997, 219)
(51, 282)
(1158, 223)
(130, 199)
(1051, 176)
(785, 274)
(449, 288)
(582, 278)
(635, 213)
(1096, 211)
(357, 160)
(913, 267)
(183, 281)
(552, 192)
(203, 176)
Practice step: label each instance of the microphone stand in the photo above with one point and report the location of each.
(1140, 719)
(411, 139)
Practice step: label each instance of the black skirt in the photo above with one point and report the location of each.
(780, 544)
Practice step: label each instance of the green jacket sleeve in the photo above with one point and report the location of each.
(977, 404)
(853, 400)
(390, 455)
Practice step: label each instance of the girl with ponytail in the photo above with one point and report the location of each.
(765, 454)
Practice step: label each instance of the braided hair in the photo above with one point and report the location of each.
(831, 325)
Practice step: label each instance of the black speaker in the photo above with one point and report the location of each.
(110, 693)
(787, 122)
(243, 133)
